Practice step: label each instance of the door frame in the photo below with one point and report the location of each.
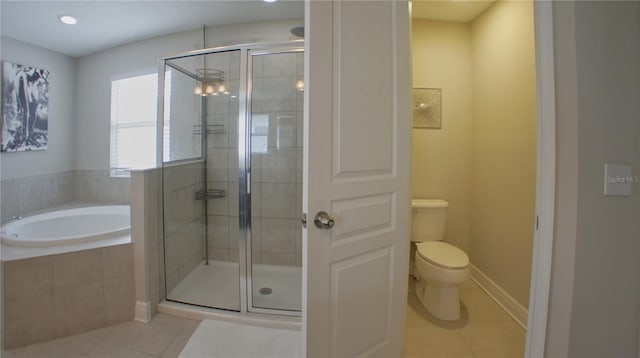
(545, 180)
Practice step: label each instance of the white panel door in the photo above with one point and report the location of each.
(357, 157)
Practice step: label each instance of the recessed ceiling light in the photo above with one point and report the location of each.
(68, 19)
(269, 0)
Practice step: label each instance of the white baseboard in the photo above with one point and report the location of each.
(143, 312)
(518, 312)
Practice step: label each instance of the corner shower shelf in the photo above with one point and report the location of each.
(211, 194)
(210, 128)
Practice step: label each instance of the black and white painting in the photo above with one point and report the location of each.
(25, 108)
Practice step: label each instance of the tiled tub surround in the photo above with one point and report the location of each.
(183, 221)
(59, 295)
(22, 196)
(97, 186)
(276, 166)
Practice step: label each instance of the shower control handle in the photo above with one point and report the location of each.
(323, 220)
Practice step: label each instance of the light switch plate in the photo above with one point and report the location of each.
(617, 179)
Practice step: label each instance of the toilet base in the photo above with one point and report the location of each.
(442, 301)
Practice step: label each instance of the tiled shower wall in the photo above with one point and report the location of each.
(276, 165)
(21, 196)
(183, 221)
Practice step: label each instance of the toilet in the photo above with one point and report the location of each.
(439, 266)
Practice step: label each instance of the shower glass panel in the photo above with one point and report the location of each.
(276, 117)
(200, 171)
(232, 177)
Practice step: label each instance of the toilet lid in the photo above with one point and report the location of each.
(442, 254)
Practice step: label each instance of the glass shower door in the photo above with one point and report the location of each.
(232, 178)
(200, 180)
(275, 127)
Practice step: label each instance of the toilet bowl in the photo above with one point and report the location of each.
(440, 268)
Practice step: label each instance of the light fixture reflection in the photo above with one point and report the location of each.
(300, 85)
(210, 82)
(67, 19)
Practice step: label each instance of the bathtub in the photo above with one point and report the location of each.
(68, 227)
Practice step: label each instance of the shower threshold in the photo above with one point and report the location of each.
(217, 286)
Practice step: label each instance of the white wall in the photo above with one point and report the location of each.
(96, 71)
(598, 111)
(58, 157)
(606, 301)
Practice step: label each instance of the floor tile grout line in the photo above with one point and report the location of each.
(184, 324)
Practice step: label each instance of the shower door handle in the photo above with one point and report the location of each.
(323, 220)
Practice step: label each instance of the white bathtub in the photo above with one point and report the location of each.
(68, 227)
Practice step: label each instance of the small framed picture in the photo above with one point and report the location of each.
(427, 108)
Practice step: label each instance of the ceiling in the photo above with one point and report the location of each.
(449, 10)
(104, 24)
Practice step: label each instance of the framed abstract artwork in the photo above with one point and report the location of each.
(25, 108)
(427, 108)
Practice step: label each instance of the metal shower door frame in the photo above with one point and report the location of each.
(244, 152)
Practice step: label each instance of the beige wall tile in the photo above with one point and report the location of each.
(218, 165)
(9, 203)
(190, 264)
(278, 200)
(280, 259)
(117, 261)
(218, 231)
(28, 278)
(29, 319)
(77, 268)
(173, 279)
(279, 165)
(219, 206)
(256, 199)
(234, 255)
(234, 233)
(278, 235)
(219, 254)
(233, 194)
(119, 299)
(79, 308)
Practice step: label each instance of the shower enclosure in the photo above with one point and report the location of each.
(231, 137)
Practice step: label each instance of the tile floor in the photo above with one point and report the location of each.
(219, 339)
(485, 330)
(165, 336)
(217, 285)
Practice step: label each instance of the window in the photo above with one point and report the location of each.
(133, 123)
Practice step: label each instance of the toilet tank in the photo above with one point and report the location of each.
(428, 219)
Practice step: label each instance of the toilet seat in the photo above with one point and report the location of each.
(442, 254)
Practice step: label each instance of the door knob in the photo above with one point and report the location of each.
(323, 220)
